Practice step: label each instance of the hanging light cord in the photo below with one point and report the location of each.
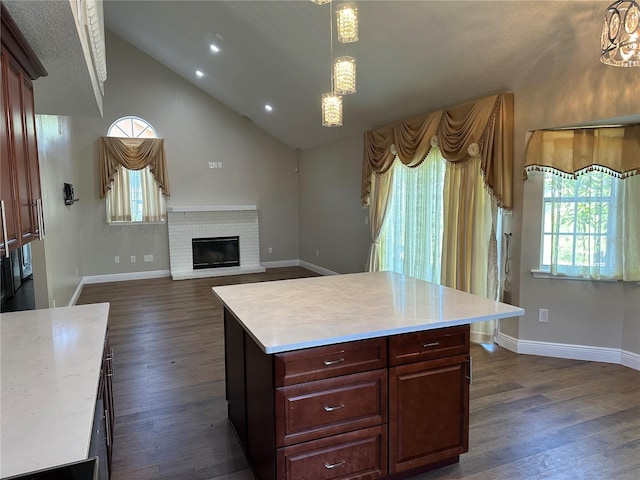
(331, 45)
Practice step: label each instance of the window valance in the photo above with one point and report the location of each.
(133, 154)
(615, 150)
(480, 129)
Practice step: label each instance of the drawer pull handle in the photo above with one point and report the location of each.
(329, 466)
(432, 344)
(333, 362)
(335, 407)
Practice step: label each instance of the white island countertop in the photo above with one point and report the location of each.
(50, 362)
(289, 315)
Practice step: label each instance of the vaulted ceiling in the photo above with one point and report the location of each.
(413, 57)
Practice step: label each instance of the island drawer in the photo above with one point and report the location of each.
(428, 344)
(328, 407)
(330, 361)
(359, 455)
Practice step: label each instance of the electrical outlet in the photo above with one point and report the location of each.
(317, 253)
(116, 259)
(543, 315)
(133, 259)
(148, 258)
(270, 250)
(211, 165)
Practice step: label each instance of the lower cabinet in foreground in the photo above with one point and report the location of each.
(377, 408)
(361, 455)
(428, 412)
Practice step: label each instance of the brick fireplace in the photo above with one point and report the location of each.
(188, 223)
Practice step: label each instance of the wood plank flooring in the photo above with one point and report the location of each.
(531, 417)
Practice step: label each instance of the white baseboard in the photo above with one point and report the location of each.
(630, 359)
(574, 352)
(316, 268)
(76, 294)
(508, 342)
(123, 277)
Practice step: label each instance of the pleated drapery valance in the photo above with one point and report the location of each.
(480, 129)
(615, 150)
(133, 154)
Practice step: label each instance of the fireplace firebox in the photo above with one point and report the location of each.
(216, 252)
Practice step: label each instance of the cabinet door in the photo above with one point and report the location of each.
(31, 150)
(109, 412)
(8, 215)
(428, 412)
(27, 221)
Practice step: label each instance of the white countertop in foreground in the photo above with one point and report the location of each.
(309, 312)
(50, 363)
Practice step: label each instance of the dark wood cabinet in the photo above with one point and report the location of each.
(361, 455)
(9, 238)
(428, 397)
(102, 436)
(428, 412)
(22, 219)
(359, 410)
(110, 414)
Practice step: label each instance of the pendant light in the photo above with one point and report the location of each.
(620, 34)
(331, 101)
(344, 75)
(331, 110)
(347, 22)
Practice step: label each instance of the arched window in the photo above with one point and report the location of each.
(134, 195)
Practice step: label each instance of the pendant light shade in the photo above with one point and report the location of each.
(620, 34)
(320, 2)
(331, 110)
(347, 21)
(344, 75)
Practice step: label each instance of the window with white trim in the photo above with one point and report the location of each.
(587, 225)
(578, 227)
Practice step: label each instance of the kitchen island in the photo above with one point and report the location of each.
(52, 376)
(357, 376)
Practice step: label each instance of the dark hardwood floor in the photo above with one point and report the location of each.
(531, 417)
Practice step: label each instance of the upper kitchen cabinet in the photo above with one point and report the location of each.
(20, 198)
(68, 37)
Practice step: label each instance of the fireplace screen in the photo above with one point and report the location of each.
(216, 252)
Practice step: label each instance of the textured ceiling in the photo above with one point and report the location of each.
(50, 29)
(413, 57)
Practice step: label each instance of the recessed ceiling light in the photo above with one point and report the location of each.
(214, 48)
(199, 74)
(268, 108)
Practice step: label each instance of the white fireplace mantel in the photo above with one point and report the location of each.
(214, 208)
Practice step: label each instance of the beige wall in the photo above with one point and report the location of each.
(257, 169)
(332, 220)
(597, 314)
(57, 263)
